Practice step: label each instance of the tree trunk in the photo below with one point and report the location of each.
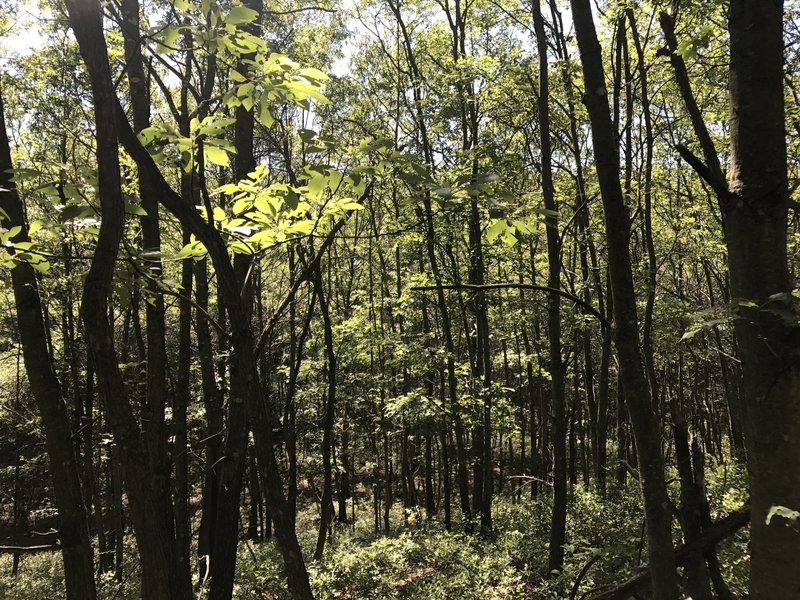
(558, 521)
(73, 525)
(626, 334)
(152, 518)
(755, 224)
(326, 505)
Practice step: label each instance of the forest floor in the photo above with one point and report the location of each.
(421, 560)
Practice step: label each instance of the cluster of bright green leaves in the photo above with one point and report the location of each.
(166, 143)
(63, 201)
(12, 252)
(210, 27)
(260, 214)
(273, 80)
(258, 79)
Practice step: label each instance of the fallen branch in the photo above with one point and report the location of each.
(29, 549)
(710, 537)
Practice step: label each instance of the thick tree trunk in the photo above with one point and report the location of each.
(755, 222)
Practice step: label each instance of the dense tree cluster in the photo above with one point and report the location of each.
(273, 269)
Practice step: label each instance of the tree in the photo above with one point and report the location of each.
(626, 334)
(73, 526)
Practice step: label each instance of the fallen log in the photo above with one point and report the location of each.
(710, 537)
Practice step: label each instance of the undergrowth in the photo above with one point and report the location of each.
(421, 560)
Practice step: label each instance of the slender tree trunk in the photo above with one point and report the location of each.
(152, 518)
(637, 389)
(558, 522)
(73, 525)
(326, 505)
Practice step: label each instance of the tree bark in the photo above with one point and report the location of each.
(558, 521)
(755, 223)
(73, 527)
(152, 518)
(626, 334)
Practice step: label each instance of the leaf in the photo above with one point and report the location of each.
(72, 211)
(495, 229)
(42, 265)
(234, 75)
(192, 250)
(444, 192)
(314, 74)
(239, 247)
(218, 156)
(167, 39)
(264, 113)
(349, 204)
(782, 511)
(240, 15)
(304, 227)
(23, 174)
(241, 205)
(291, 199)
(134, 209)
(301, 89)
(36, 226)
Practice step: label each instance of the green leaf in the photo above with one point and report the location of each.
(167, 39)
(349, 204)
(240, 15)
(241, 205)
(234, 75)
(193, 249)
(264, 113)
(36, 226)
(218, 156)
(496, 229)
(134, 209)
(42, 266)
(304, 227)
(314, 74)
(782, 511)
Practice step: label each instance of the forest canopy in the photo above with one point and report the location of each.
(399, 299)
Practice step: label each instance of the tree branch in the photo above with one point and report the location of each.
(588, 308)
(710, 537)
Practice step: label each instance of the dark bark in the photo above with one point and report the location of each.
(755, 222)
(73, 528)
(754, 205)
(213, 403)
(626, 334)
(152, 518)
(326, 504)
(558, 522)
(695, 572)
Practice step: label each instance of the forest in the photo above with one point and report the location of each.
(382, 299)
